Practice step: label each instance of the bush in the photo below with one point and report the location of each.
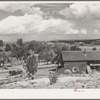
(94, 48)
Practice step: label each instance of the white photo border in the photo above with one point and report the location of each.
(49, 93)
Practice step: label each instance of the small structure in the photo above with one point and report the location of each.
(77, 61)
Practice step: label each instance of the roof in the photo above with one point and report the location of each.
(94, 64)
(80, 55)
(72, 56)
(93, 55)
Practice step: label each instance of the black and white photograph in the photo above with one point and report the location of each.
(50, 45)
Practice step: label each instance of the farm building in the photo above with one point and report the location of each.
(77, 61)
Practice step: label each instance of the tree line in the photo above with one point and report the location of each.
(47, 51)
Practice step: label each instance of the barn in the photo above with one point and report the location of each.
(77, 61)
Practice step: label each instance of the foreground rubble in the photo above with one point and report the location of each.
(41, 80)
(63, 82)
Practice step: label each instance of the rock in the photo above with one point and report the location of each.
(90, 84)
(19, 71)
(89, 71)
(15, 72)
(67, 71)
(79, 86)
(70, 84)
(23, 84)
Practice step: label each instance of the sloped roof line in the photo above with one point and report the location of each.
(80, 55)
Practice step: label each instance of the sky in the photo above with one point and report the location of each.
(49, 21)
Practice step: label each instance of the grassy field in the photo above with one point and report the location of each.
(90, 47)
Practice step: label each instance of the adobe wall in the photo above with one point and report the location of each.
(74, 67)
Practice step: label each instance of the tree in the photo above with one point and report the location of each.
(8, 48)
(47, 56)
(65, 48)
(1, 43)
(18, 49)
(57, 48)
(1, 50)
(20, 41)
(20, 52)
(7, 55)
(94, 48)
(14, 50)
(75, 48)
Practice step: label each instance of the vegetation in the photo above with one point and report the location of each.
(47, 50)
(94, 48)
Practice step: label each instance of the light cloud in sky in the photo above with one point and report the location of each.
(82, 10)
(11, 7)
(24, 7)
(96, 31)
(78, 18)
(76, 31)
(72, 31)
(83, 31)
(29, 24)
(22, 25)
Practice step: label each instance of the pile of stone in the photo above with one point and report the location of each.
(15, 72)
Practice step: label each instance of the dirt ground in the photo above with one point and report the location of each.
(41, 80)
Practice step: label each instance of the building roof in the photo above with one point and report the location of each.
(93, 55)
(80, 55)
(72, 56)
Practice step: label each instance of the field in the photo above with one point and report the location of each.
(90, 47)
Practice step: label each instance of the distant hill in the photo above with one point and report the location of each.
(49, 37)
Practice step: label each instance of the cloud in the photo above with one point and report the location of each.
(44, 24)
(72, 31)
(24, 7)
(82, 10)
(84, 16)
(11, 7)
(96, 31)
(33, 24)
(76, 31)
(83, 31)
(21, 25)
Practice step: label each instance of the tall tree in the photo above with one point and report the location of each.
(20, 41)
(1, 43)
(48, 54)
(8, 48)
(94, 48)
